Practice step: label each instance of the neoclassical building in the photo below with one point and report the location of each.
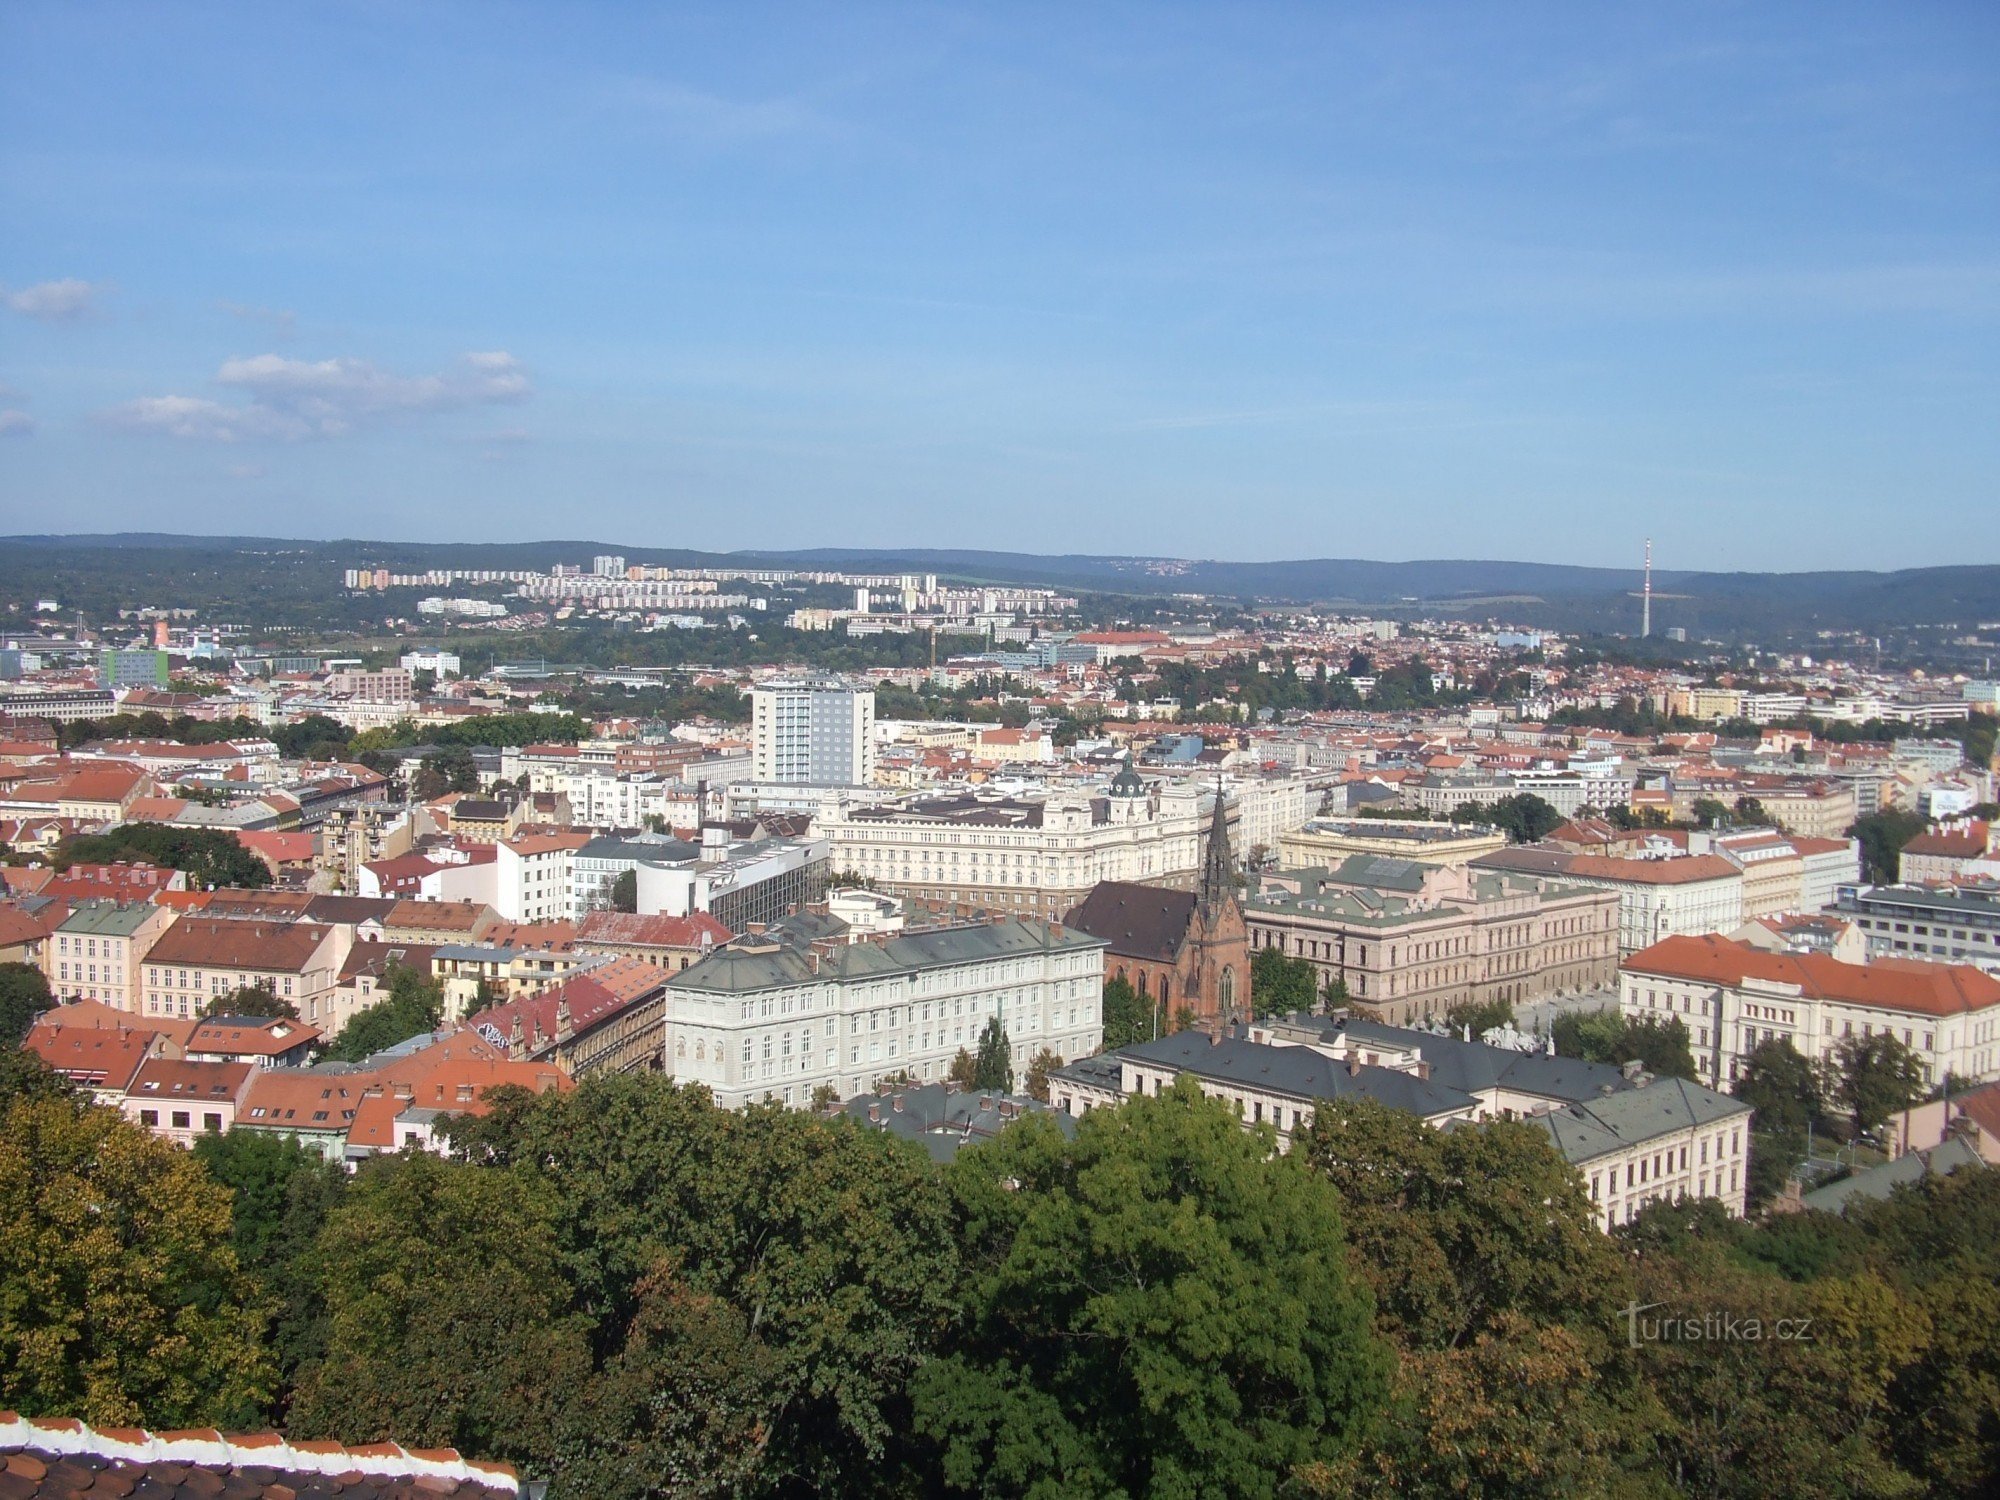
(1024, 857)
(1182, 950)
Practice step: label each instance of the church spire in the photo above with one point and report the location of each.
(1218, 871)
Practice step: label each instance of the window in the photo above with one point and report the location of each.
(149, 1118)
(212, 1124)
(180, 1118)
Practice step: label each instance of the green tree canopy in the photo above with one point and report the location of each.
(1281, 985)
(993, 1068)
(1875, 1077)
(448, 1318)
(1455, 1228)
(413, 1005)
(1781, 1086)
(210, 857)
(625, 891)
(1605, 1036)
(24, 994)
(1882, 836)
(251, 1001)
(1127, 1017)
(831, 1243)
(122, 1301)
(1161, 1306)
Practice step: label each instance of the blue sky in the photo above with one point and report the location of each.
(1238, 281)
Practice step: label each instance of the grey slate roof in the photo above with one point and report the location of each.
(1138, 921)
(1617, 1122)
(943, 1120)
(1297, 1072)
(1878, 1183)
(783, 956)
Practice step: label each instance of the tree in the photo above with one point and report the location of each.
(1876, 1077)
(679, 1409)
(964, 1070)
(210, 857)
(832, 1243)
(251, 1001)
(1708, 811)
(122, 1301)
(413, 1005)
(1781, 1086)
(1040, 1066)
(281, 1193)
(449, 1319)
(1750, 811)
(1127, 1017)
(1660, 1046)
(1480, 1017)
(1333, 994)
(1280, 984)
(24, 994)
(1524, 817)
(1160, 1306)
(994, 1068)
(625, 891)
(1882, 836)
(826, 1096)
(1456, 1229)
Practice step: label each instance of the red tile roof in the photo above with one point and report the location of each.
(62, 1456)
(624, 929)
(1884, 984)
(93, 1058)
(234, 943)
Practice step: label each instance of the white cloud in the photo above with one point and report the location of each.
(54, 301)
(293, 399)
(246, 471)
(16, 424)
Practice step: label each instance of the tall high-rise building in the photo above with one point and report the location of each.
(814, 729)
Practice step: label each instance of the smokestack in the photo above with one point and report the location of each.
(1646, 608)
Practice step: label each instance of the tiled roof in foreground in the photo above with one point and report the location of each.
(51, 1456)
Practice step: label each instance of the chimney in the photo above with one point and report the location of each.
(1353, 1064)
(897, 1104)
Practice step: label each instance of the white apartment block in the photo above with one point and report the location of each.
(813, 729)
(1731, 997)
(814, 1003)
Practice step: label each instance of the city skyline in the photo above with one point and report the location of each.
(1162, 283)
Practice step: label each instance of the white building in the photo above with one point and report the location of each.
(1731, 996)
(1017, 854)
(813, 1003)
(439, 663)
(1657, 898)
(812, 729)
(1632, 1139)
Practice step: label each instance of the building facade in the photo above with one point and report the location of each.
(1413, 941)
(1035, 858)
(1732, 996)
(814, 1004)
(814, 729)
(1183, 951)
(96, 953)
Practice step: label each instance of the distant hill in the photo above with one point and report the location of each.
(1764, 606)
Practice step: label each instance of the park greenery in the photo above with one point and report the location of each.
(631, 1293)
(411, 1004)
(211, 858)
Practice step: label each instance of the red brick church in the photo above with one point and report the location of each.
(1181, 950)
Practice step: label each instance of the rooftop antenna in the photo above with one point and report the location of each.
(1646, 609)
